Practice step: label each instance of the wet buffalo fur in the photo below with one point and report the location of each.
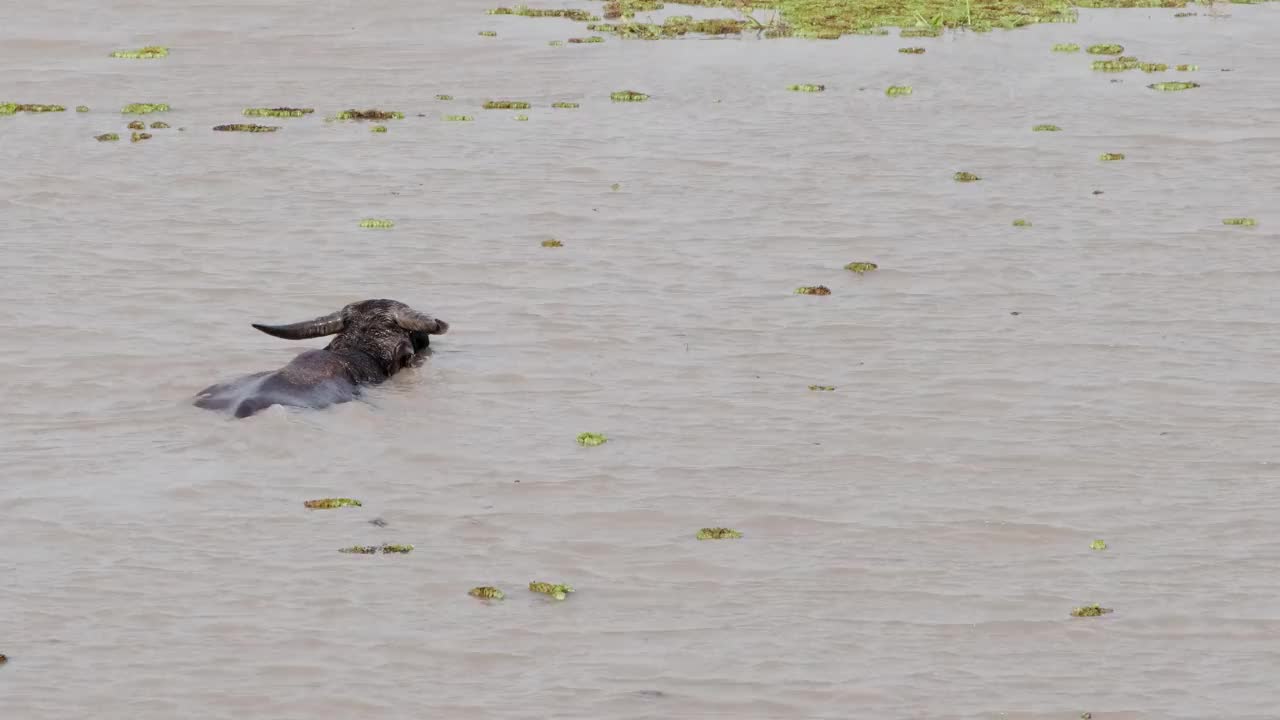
(373, 340)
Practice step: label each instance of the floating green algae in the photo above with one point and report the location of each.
(556, 43)
(822, 388)
(378, 128)
(1119, 64)
(1173, 86)
(137, 125)
(893, 90)
(144, 108)
(331, 503)
(444, 97)
(965, 177)
(553, 243)
(158, 125)
(377, 223)
(1046, 128)
(459, 118)
(615, 187)
(925, 31)
(565, 105)
(559, 592)
(718, 533)
(106, 137)
(1066, 47)
(371, 114)
(628, 96)
(807, 88)
(813, 290)
(1151, 67)
(1021, 223)
(1245, 221)
(521, 118)
(861, 267)
(147, 53)
(82, 108)
(280, 112)
(487, 33)
(1106, 49)
(486, 592)
(1107, 157)
(506, 105)
(588, 439)
(139, 137)
(1093, 610)
(579, 15)
(246, 127)
(911, 50)
(585, 40)
(384, 548)
(1098, 545)
(1187, 68)
(11, 108)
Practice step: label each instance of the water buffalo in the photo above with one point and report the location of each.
(374, 339)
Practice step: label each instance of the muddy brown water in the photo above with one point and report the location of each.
(914, 540)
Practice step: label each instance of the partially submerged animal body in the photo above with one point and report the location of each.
(374, 339)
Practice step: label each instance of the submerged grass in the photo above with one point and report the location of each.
(719, 533)
(459, 118)
(486, 592)
(813, 290)
(911, 50)
(144, 108)
(565, 105)
(278, 112)
(506, 105)
(807, 88)
(331, 503)
(1020, 222)
(377, 224)
(246, 127)
(1046, 128)
(146, 53)
(1173, 86)
(1106, 157)
(7, 108)
(107, 137)
(1247, 222)
(861, 267)
(1066, 47)
(965, 177)
(628, 96)
(1093, 610)
(371, 114)
(895, 90)
(590, 439)
(558, 591)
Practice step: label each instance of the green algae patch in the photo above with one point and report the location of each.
(137, 125)
(11, 108)
(149, 52)
(331, 503)
(911, 50)
(1098, 545)
(557, 591)
(246, 128)
(1106, 49)
(458, 118)
(565, 105)
(894, 90)
(1093, 610)
(926, 31)
(444, 97)
(139, 137)
(553, 243)
(615, 187)
(107, 137)
(371, 114)
(807, 88)
(144, 108)
(1120, 64)
(378, 128)
(506, 105)
(521, 118)
(1173, 86)
(813, 290)
(376, 223)
(590, 439)
(487, 33)
(1021, 223)
(1046, 128)
(823, 388)
(1066, 47)
(590, 40)
(1245, 221)
(718, 533)
(1109, 157)
(628, 96)
(280, 112)
(82, 108)
(1187, 68)
(1150, 67)
(384, 548)
(486, 592)
(579, 15)
(861, 267)
(965, 177)
(158, 125)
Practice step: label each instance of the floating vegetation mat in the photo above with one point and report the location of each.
(459, 118)
(375, 549)
(1248, 222)
(675, 26)
(379, 128)
(147, 53)
(965, 177)
(1119, 64)
(1066, 48)
(1090, 611)
(590, 439)
(370, 115)
(1021, 223)
(139, 137)
(521, 118)
(718, 533)
(331, 503)
(1107, 49)
(584, 41)
(486, 592)
(82, 108)
(158, 125)
(107, 137)
(246, 127)
(1098, 545)
(1173, 86)
(558, 592)
(565, 105)
(1187, 68)
(1107, 157)
(822, 388)
(807, 88)
(893, 90)
(628, 96)
(376, 223)
(552, 243)
(813, 290)
(137, 125)
(11, 108)
(579, 15)
(928, 31)
(861, 267)
(487, 33)
(911, 50)
(1046, 128)
(144, 108)
(505, 105)
(444, 97)
(1150, 67)
(615, 187)
(280, 112)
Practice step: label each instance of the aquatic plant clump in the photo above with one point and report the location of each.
(565, 105)
(1107, 157)
(444, 97)
(486, 592)
(370, 115)
(106, 137)
(965, 177)
(377, 224)
(487, 33)
(1098, 545)
(375, 549)
(928, 31)
(246, 127)
(579, 15)
(586, 40)
(813, 290)
(1120, 64)
(1093, 610)
(1106, 49)
(590, 439)
(911, 50)
(1021, 223)
(137, 125)
(331, 503)
(11, 108)
(144, 108)
(147, 53)
(1187, 68)
(807, 88)
(1046, 128)
(139, 137)
(1149, 67)
(628, 96)
(82, 108)
(861, 267)
(1173, 86)
(521, 118)
(158, 125)
(1245, 221)
(893, 90)
(458, 118)
(1066, 47)
(718, 533)
(552, 243)
(280, 112)
(822, 388)
(378, 128)
(558, 592)
(506, 105)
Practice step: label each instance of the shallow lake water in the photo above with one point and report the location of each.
(913, 542)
